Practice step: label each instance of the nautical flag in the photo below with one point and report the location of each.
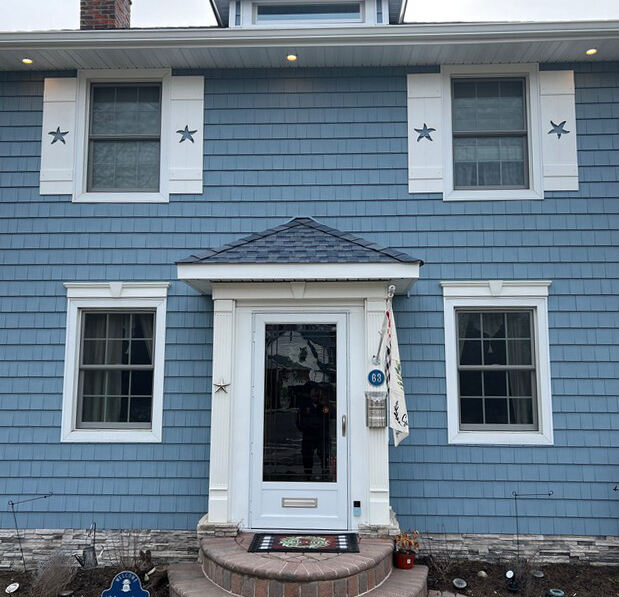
(398, 415)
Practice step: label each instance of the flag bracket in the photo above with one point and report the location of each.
(383, 329)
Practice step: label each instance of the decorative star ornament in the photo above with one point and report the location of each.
(58, 135)
(424, 133)
(558, 129)
(221, 387)
(186, 134)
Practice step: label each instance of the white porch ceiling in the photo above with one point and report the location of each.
(394, 45)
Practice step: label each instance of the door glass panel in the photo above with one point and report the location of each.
(300, 408)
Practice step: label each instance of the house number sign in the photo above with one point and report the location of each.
(376, 377)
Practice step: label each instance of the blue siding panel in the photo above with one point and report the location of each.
(329, 144)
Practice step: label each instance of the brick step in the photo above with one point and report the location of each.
(226, 562)
(188, 580)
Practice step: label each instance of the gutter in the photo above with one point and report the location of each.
(384, 35)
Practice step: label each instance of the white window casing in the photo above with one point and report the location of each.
(498, 294)
(552, 160)
(66, 103)
(112, 295)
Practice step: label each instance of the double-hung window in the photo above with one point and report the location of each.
(124, 141)
(497, 362)
(489, 127)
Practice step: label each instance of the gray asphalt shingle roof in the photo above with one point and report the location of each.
(301, 240)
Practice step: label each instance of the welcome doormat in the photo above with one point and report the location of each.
(315, 543)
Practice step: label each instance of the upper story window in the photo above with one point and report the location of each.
(320, 12)
(489, 126)
(124, 140)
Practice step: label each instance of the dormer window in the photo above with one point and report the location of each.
(274, 13)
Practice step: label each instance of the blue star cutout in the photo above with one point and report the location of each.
(558, 129)
(424, 133)
(58, 135)
(186, 134)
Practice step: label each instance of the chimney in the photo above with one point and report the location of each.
(105, 14)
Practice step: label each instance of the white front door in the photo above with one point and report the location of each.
(299, 435)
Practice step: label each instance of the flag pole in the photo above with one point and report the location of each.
(383, 328)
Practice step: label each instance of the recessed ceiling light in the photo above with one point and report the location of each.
(292, 57)
(27, 60)
(591, 51)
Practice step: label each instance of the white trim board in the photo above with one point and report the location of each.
(502, 294)
(112, 295)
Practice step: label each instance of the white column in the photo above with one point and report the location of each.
(221, 405)
(378, 439)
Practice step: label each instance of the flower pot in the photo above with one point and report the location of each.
(404, 561)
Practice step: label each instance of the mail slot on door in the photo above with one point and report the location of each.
(376, 409)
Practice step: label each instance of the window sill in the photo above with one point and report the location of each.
(108, 436)
(126, 197)
(525, 438)
(493, 195)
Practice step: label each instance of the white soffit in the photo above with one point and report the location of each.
(201, 275)
(408, 44)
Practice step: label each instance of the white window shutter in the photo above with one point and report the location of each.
(58, 149)
(186, 150)
(425, 129)
(558, 114)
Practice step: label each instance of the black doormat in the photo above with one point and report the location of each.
(306, 542)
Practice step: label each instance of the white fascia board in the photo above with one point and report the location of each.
(495, 288)
(201, 275)
(117, 289)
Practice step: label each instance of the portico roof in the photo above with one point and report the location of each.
(301, 249)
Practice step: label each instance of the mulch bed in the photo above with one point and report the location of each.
(87, 583)
(575, 580)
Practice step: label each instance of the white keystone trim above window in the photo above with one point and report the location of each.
(532, 294)
(112, 295)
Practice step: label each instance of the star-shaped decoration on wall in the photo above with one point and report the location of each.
(558, 129)
(186, 134)
(221, 387)
(58, 135)
(424, 133)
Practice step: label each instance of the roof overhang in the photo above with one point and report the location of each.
(391, 45)
(202, 276)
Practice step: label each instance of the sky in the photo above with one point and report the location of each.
(32, 15)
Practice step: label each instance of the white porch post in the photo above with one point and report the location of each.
(378, 439)
(221, 406)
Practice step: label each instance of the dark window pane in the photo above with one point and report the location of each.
(470, 352)
(494, 325)
(94, 352)
(141, 352)
(304, 12)
(94, 325)
(116, 409)
(93, 382)
(496, 411)
(494, 352)
(469, 325)
(520, 383)
(141, 383)
(142, 325)
(471, 411)
(495, 383)
(93, 409)
(140, 409)
(518, 325)
(470, 383)
(117, 383)
(521, 411)
(519, 352)
(117, 352)
(119, 325)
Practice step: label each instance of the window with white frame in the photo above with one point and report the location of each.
(497, 362)
(314, 12)
(492, 132)
(114, 359)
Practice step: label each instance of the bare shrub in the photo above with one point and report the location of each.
(53, 575)
(123, 549)
(442, 557)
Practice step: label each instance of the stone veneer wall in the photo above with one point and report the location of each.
(541, 548)
(165, 546)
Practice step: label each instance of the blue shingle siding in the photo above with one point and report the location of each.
(330, 144)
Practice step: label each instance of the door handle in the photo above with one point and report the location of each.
(344, 425)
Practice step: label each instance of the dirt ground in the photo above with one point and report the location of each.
(575, 580)
(87, 583)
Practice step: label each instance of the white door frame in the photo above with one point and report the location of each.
(234, 303)
(266, 509)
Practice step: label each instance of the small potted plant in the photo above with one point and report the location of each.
(406, 544)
